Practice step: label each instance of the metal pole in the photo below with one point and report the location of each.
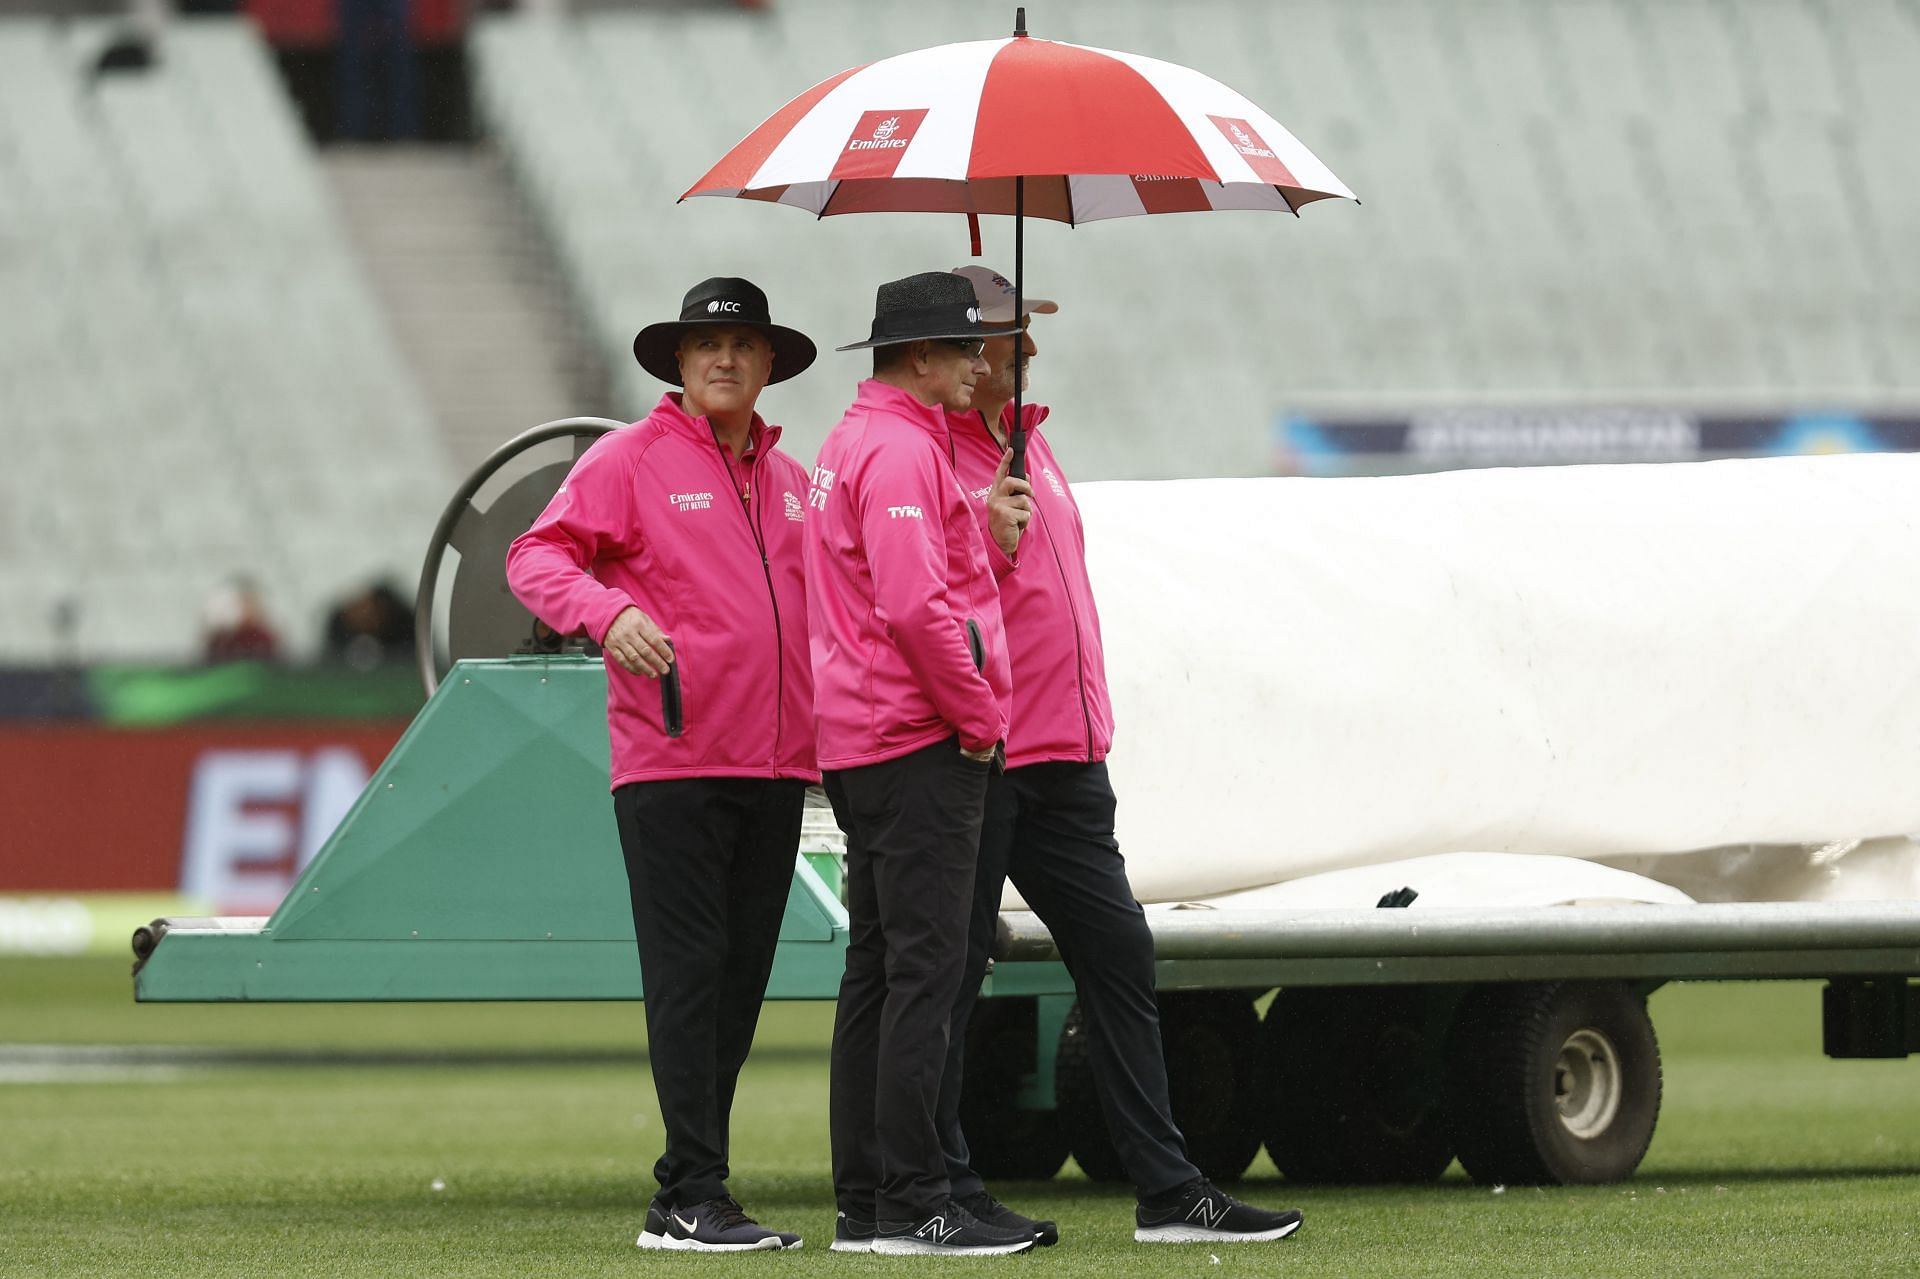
(1019, 436)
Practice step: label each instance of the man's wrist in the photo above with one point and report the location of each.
(987, 755)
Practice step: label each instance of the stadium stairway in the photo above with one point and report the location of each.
(475, 304)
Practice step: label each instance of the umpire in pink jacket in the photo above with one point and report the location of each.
(675, 543)
(1050, 817)
(911, 681)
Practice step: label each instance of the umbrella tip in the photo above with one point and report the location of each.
(1020, 21)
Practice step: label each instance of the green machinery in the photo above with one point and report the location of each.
(481, 863)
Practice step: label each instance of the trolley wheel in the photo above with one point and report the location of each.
(1555, 1083)
(1354, 1084)
(1211, 1045)
(1077, 1103)
(484, 619)
(1004, 1139)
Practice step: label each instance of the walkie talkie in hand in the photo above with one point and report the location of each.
(670, 712)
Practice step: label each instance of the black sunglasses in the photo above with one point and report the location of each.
(972, 346)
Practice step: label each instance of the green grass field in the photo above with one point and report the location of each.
(516, 1139)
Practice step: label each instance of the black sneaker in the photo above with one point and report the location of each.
(1203, 1214)
(654, 1233)
(721, 1225)
(850, 1234)
(951, 1231)
(989, 1211)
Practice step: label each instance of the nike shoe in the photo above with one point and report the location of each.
(654, 1233)
(721, 1225)
(850, 1234)
(989, 1211)
(952, 1231)
(1199, 1212)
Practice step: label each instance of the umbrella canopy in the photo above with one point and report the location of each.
(1094, 133)
(1027, 127)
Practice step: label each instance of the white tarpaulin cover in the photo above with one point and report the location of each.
(1442, 880)
(1588, 661)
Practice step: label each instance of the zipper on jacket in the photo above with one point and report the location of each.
(1079, 651)
(671, 717)
(766, 571)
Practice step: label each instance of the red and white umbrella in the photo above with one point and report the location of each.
(1026, 127)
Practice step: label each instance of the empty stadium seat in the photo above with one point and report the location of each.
(1583, 198)
(1587, 200)
(205, 385)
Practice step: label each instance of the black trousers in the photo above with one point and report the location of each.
(709, 866)
(913, 834)
(1049, 828)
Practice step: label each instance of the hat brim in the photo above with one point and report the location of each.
(1032, 306)
(657, 347)
(929, 337)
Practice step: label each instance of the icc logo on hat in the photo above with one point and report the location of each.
(714, 307)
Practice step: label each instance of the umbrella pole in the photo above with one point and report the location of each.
(1019, 435)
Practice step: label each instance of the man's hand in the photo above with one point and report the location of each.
(1008, 507)
(981, 756)
(637, 644)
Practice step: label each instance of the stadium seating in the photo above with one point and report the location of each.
(1688, 201)
(204, 385)
(1586, 200)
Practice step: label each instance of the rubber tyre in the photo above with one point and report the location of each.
(1555, 1083)
(1077, 1103)
(1211, 1042)
(1005, 1140)
(1354, 1083)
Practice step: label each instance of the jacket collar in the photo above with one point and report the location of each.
(887, 398)
(673, 415)
(970, 422)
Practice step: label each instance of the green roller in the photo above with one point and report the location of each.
(481, 862)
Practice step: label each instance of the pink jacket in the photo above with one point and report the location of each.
(897, 582)
(1053, 629)
(654, 512)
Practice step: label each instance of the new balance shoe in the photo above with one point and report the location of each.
(654, 1233)
(1199, 1212)
(721, 1225)
(989, 1211)
(850, 1234)
(950, 1232)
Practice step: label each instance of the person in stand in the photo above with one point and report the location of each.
(237, 625)
(911, 696)
(675, 543)
(376, 60)
(1049, 823)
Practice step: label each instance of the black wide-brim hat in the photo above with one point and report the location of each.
(722, 300)
(931, 305)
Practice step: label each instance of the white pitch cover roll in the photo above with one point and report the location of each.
(1585, 660)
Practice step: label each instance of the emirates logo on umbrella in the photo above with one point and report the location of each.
(1261, 158)
(877, 144)
(1166, 193)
